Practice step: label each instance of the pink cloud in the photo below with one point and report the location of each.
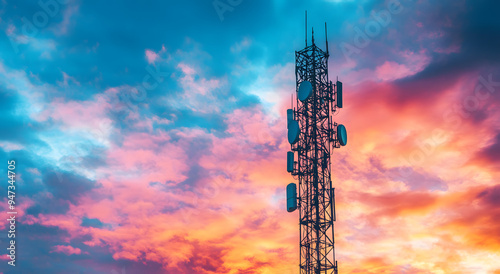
(68, 13)
(10, 146)
(34, 171)
(151, 56)
(89, 113)
(66, 249)
(194, 87)
(392, 70)
(186, 69)
(22, 204)
(67, 79)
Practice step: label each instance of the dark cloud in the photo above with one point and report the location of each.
(491, 153)
(491, 196)
(13, 124)
(48, 205)
(416, 180)
(58, 191)
(473, 28)
(87, 222)
(34, 243)
(67, 186)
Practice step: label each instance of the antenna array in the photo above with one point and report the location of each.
(313, 135)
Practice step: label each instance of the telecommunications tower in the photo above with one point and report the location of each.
(313, 135)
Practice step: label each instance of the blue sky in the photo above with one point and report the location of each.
(142, 131)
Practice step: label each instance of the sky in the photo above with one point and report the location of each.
(150, 136)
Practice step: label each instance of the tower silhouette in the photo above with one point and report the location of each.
(313, 135)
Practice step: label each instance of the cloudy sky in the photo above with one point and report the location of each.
(150, 136)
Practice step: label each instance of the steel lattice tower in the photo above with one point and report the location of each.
(318, 136)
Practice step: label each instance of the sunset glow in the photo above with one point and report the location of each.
(150, 137)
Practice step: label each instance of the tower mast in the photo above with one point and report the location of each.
(313, 135)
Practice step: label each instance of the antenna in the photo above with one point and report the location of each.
(305, 90)
(326, 39)
(306, 28)
(313, 35)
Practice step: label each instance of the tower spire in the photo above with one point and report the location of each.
(313, 35)
(326, 39)
(306, 28)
